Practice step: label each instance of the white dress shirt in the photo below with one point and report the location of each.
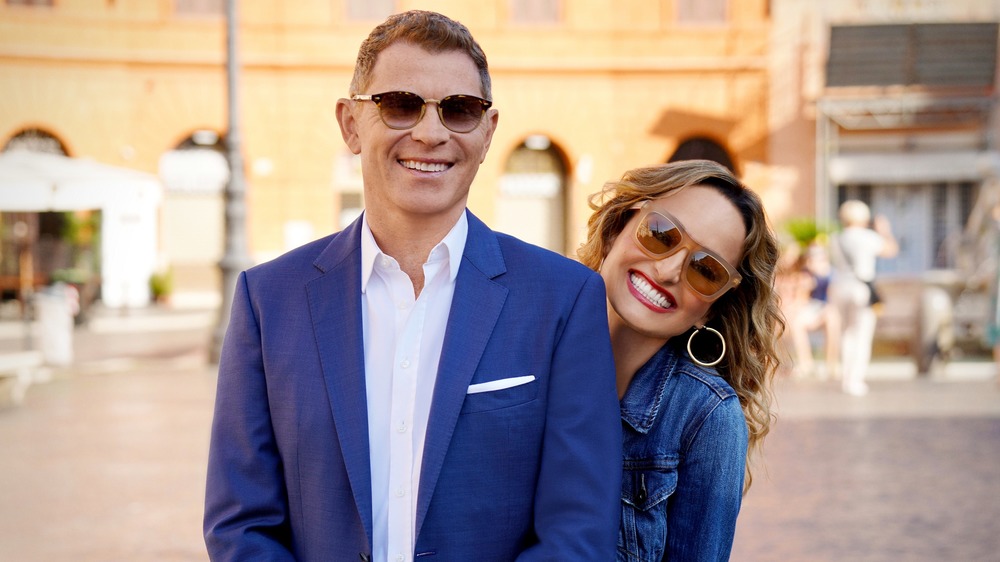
(403, 339)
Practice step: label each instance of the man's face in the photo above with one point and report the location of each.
(422, 173)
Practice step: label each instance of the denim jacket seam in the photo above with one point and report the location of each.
(710, 379)
(692, 429)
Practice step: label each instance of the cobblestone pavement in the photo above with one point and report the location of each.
(911, 479)
(106, 467)
(106, 461)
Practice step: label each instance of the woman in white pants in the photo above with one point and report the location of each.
(854, 254)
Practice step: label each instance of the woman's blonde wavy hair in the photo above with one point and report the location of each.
(748, 316)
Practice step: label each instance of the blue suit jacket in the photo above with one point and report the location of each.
(530, 472)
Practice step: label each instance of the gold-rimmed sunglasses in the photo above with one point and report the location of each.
(659, 235)
(403, 110)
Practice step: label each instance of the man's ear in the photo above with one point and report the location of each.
(348, 125)
(492, 118)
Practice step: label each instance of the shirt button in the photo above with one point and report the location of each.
(401, 427)
(405, 363)
(400, 558)
(402, 305)
(400, 492)
(385, 262)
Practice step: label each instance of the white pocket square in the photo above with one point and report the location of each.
(500, 384)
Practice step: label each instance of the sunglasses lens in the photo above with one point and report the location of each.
(658, 234)
(661, 237)
(461, 113)
(706, 274)
(400, 110)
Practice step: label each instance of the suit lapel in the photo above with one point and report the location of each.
(335, 306)
(475, 309)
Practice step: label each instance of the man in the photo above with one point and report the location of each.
(416, 386)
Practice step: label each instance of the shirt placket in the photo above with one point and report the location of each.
(409, 320)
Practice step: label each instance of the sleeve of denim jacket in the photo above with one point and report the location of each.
(702, 514)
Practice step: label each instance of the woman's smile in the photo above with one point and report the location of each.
(649, 294)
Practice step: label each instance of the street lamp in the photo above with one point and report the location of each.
(235, 257)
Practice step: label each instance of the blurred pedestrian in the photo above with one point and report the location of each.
(793, 284)
(991, 331)
(854, 252)
(803, 281)
(417, 386)
(689, 262)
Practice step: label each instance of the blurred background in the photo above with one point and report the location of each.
(116, 188)
(114, 120)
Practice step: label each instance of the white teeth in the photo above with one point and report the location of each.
(424, 166)
(647, 290)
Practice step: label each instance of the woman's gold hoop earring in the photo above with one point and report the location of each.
(722, 354)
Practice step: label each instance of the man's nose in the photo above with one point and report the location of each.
(430, 129)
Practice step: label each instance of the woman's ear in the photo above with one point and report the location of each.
(707, 317)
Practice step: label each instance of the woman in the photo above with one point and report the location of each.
(854, 253)
(802, 282)
(689, 263)
(991, 333)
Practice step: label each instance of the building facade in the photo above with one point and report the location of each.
(894, 103)
(585, 90)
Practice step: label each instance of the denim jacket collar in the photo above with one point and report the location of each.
(642, 399)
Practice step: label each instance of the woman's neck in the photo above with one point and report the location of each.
(631, 351)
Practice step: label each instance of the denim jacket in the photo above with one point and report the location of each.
(685, 446)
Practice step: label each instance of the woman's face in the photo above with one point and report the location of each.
(648, 296)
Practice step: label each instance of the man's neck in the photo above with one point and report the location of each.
(409, 240)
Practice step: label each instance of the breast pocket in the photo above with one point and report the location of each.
(498, 399)
(646, 491)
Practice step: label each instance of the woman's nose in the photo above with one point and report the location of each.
(668, 269)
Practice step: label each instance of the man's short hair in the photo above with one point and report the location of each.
(430, 31)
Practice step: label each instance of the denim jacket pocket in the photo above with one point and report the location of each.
(646, 488)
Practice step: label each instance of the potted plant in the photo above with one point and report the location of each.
(161, 285)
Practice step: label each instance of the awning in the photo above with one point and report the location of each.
(35, 182)
(913, 167)
(128, 200)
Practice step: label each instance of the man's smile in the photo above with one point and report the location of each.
(425, 166)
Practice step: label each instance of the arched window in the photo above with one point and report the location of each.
(197, 165)
(36, 140)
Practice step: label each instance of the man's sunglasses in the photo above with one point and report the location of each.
(659, 235)
(403, 110)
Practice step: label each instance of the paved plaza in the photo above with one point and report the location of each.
(105, 461)
(910, 472)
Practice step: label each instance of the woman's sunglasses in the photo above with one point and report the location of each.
(403, 110)
(659, 235)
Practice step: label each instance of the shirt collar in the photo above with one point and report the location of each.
(451, 248)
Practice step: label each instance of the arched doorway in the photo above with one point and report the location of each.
(192, 218)
(702, 148)
(531, 202)
(39, 247)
